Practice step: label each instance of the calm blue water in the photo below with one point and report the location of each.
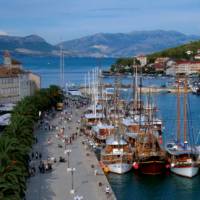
(49, 67)
(130, 186)
(134, 186)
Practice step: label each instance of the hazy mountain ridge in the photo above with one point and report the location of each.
(121, 44)
(31, 44)
(100, 44)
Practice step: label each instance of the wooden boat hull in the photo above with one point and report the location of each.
(152, 167)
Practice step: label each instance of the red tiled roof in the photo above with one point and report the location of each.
(10, 72)
(187, 62)
(16, 62)
(159, 65)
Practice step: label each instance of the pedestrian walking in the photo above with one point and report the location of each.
(36, 155)
(107, 190)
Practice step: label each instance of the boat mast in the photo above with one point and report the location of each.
(185, 110)
(136, 85)
(61, 67)
(178, 110)
(140, 97)
(133, 106)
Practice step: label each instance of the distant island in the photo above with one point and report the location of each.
(100, 44)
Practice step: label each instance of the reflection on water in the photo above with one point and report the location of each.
(133, 186)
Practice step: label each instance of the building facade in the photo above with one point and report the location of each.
(16, 83)
(142, 59)
(184, 67)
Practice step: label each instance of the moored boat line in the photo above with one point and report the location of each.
(140, 128)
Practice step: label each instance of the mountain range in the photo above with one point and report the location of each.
(100, 44)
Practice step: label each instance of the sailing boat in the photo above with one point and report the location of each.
(95, 111)
(150, 157)
(117, 156)
(182, 156)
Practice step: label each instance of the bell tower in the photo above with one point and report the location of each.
(7, 59)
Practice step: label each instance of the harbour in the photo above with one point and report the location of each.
(135, 185)
(99, 100)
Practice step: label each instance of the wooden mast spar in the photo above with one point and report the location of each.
(185, 111)
(178, 110)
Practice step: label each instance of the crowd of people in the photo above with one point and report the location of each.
(64, 136)
(36, 164)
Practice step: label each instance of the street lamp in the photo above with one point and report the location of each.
(68, 151)
(72, 170)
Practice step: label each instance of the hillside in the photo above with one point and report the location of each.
(177, 52)
(31, 44)
(99, 45)
(124, 64)
(126, 44)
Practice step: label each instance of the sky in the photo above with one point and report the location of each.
(61, 20)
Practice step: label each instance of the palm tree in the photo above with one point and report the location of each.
(21, 127)
(12, 171)
(17, 140)
(27, 108)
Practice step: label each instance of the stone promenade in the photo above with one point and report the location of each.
(57, 184)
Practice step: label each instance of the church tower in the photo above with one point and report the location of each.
(7, 59)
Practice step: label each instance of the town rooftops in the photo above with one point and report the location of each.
(10, 72)
(187, 62)
(15, 62)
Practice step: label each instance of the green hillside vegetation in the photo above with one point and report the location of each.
(177, 52)
(124, 65)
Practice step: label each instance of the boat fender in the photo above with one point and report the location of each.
(167, 166)
(172, 165)
(135, 165)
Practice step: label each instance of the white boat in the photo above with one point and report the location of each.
(183, 160)
(185, 171)
(182, 156)
(117, 156)
(119, 168)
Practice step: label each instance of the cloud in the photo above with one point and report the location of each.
(114, 9)
(3, 32)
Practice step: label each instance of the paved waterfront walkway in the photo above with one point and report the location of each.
(56, 185)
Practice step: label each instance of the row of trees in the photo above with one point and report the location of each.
(17, 139)
(124, 65)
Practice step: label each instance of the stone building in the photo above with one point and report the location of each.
(184, 67)
(16, 83)
(142, 59)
